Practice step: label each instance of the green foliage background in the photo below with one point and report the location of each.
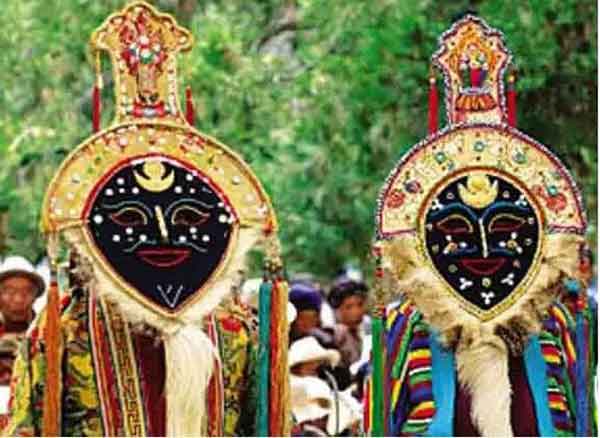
(320, 96)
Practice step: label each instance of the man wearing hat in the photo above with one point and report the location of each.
(318, 410)
(307, 299)
(20, 285)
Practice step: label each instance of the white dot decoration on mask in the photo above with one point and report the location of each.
(189, 177)
(178, 189)
(120, 181)
(116, 238)
(121, 190)
(135, 190)
(206, 238)
(98, 219)
(182, 239)
(193, 230)
(222, 218)
(129, 230)
(143, 238)
(109, 192)
(192, 190)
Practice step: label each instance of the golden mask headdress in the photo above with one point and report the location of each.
(478, 225)
(164, 214)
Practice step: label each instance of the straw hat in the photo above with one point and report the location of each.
(308, 349)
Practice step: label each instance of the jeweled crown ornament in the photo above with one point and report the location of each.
(143, 46)
(481, 200)
(473, 59)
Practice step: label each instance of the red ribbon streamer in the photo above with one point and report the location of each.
(433, 106)
(190, 114)
(511, 102)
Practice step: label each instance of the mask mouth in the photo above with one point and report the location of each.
(164, 257)
(482, 266)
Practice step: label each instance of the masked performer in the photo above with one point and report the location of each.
(480, 240)
(157, 219)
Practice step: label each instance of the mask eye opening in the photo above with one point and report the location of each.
(455, 224)
(505, 222)
(129, 217)
(189, 216)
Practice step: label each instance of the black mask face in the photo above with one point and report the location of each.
(162, 227)
(482, 235)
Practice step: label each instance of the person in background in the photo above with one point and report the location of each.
(306, 357)
(306, 298)
(347, 296)
(319, 408)
(20, 285)
(326, 314)
(320, 411)
(311, 402)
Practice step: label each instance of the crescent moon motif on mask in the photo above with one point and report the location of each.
(480, 192)
(155, 181)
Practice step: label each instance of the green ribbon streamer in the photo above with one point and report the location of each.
(378, 420)
(264, 322)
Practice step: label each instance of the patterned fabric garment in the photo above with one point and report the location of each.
(412, 403)
(84, 394)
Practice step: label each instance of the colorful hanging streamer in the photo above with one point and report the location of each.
(96, 96)
(433, 105)
(581, 368)
(52, 341)
(377, 385)
(190, 113)
(511, 101)
(263, 363)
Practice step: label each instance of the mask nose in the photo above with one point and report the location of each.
(162, 225)
(484, 244)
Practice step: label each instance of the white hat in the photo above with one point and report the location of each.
(311, 398)
(17, 265)
(308, 349)
(249, 296)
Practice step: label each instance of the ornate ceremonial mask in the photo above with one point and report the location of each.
(158, 219)
(162, 227)
(474, 213)
(481, 232)
(160, 208)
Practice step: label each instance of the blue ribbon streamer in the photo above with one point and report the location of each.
(264, 323)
